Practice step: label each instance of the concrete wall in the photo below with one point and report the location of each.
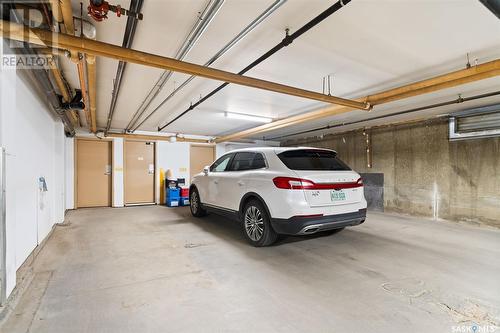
(425, 174)
(34, 142)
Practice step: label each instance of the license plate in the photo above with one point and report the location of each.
(337, 196)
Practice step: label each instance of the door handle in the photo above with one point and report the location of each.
(216, 182)
(241, 183)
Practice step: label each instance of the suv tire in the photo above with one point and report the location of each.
(197, 209)
(256, 225)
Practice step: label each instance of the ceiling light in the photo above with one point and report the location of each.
(248, 117)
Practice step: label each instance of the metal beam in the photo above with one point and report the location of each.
(49, 39)
(453, 79)
(155, 138)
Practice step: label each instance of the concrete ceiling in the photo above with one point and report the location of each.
(368, 46)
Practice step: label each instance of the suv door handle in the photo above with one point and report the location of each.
(241, 183)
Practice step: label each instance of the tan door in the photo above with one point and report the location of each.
(139, 172)
(200, 156)
(93, 173)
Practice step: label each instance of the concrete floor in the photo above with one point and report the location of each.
(156, 269)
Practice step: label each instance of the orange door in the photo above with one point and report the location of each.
(139, 172)
(200, 157)
(93, 173)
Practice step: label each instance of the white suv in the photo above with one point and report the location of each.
(272, 191)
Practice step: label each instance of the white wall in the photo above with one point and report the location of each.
(174, 156)
(69, 171)
(34, 142)
(117, 173)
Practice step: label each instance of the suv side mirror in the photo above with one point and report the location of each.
(206, 170)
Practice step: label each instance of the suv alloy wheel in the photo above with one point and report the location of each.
(256, 225)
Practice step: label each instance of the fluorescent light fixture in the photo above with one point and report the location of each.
(248, 117)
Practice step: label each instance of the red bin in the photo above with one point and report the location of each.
(185, 192)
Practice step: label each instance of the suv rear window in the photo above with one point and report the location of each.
(312, 159)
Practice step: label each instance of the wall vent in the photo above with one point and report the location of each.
(475, 123)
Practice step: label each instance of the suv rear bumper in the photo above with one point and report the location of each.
(311, 225)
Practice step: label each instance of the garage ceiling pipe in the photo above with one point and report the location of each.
(91, 79)
(67, 14)
(87, 73)
(83, 87)
(47, 87)
(266, 13)
(60, 81)
(69, 26)
(58, 78)
(453, 79)
(86, 87)
(128, 38)
(156, 137)
(43, 83)
(56, 11)
(83, 70)
(54, 69)
(421, 108)
(46, 38)
(284, 43)
(202, 22)
(56, 18)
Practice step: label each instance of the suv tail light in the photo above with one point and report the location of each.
(290, 183)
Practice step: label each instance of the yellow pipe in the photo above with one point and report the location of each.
(58, 78)
(56, 11)
(44, 37)
(91, 77)
(67, 14)
(453, 79)
(81, 77)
